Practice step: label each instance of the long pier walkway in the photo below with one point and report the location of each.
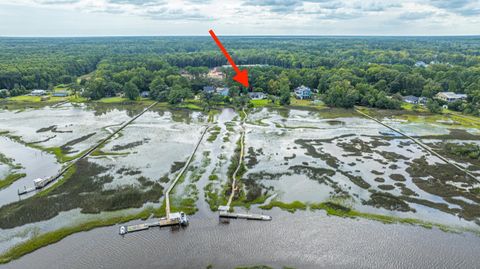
(170, 188)
(418, 142)
(171, 219)
(240, 161)
(224, 210)
(88, 152)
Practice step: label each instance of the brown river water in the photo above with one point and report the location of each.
(300, 240)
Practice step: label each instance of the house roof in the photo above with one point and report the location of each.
(410, 97)
(302, 88)
(452, 95)
(254, 93)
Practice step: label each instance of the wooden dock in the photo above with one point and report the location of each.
(171, 219)
(224, 211)
(163, 222)
(231, 215)
(234, 176)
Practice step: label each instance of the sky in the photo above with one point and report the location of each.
(238, 17)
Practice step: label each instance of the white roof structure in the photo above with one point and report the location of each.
(38, 180)
(453, 95)
(175, 215)
(223, 208)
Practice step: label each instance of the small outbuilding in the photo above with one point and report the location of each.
(38, 92)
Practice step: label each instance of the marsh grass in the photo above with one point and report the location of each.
(10, 179)
(55, 236)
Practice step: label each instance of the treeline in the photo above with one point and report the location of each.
(346, 71)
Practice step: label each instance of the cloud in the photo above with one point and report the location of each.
(137, 2)
(413, 16)
(277, 6)
(57, 2)
(461, 7)
(266, 16)
(176, 14)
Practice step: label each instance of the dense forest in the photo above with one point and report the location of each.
(347, 71)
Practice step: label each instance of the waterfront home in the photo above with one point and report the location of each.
(38, 92)
(411, 99)
(208, 89)
(145, 94)
(450, 96)
(222, 91)
(303, 92)
(257, 95)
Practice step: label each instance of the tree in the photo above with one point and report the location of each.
(3, 94)
(131, 91)
(341, 94)
(433, 106)
(159, 90)
(284, 90)
(177, 94)
(95, 88)
(431, 88)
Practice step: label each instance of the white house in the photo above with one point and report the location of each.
(303, 92)
(257, 95)
(450, 96)
(38, 92)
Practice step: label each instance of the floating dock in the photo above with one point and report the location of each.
(175, 219)
(231, 215)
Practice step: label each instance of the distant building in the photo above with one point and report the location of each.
(223, 91)
(411, 99)
(257, 95)
(144, 94)
(208, 89)
(422, 100)
(303, 92)
(216, 73)
(450, 96)
(38, 92)
(421, 64)
(60, 94)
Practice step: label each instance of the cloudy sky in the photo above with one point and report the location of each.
(238, 17)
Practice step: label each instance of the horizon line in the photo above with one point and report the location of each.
(230, 35)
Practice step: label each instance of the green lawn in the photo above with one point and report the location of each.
(306, 103)
(35, 99)
(260, 103)
(109, 100)
(412, 107)
(61, 88)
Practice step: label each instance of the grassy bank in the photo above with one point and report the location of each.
(336, 209)
(290, 207)
(10, 179)
(55, 236)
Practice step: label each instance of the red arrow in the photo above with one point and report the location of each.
(242, 75)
